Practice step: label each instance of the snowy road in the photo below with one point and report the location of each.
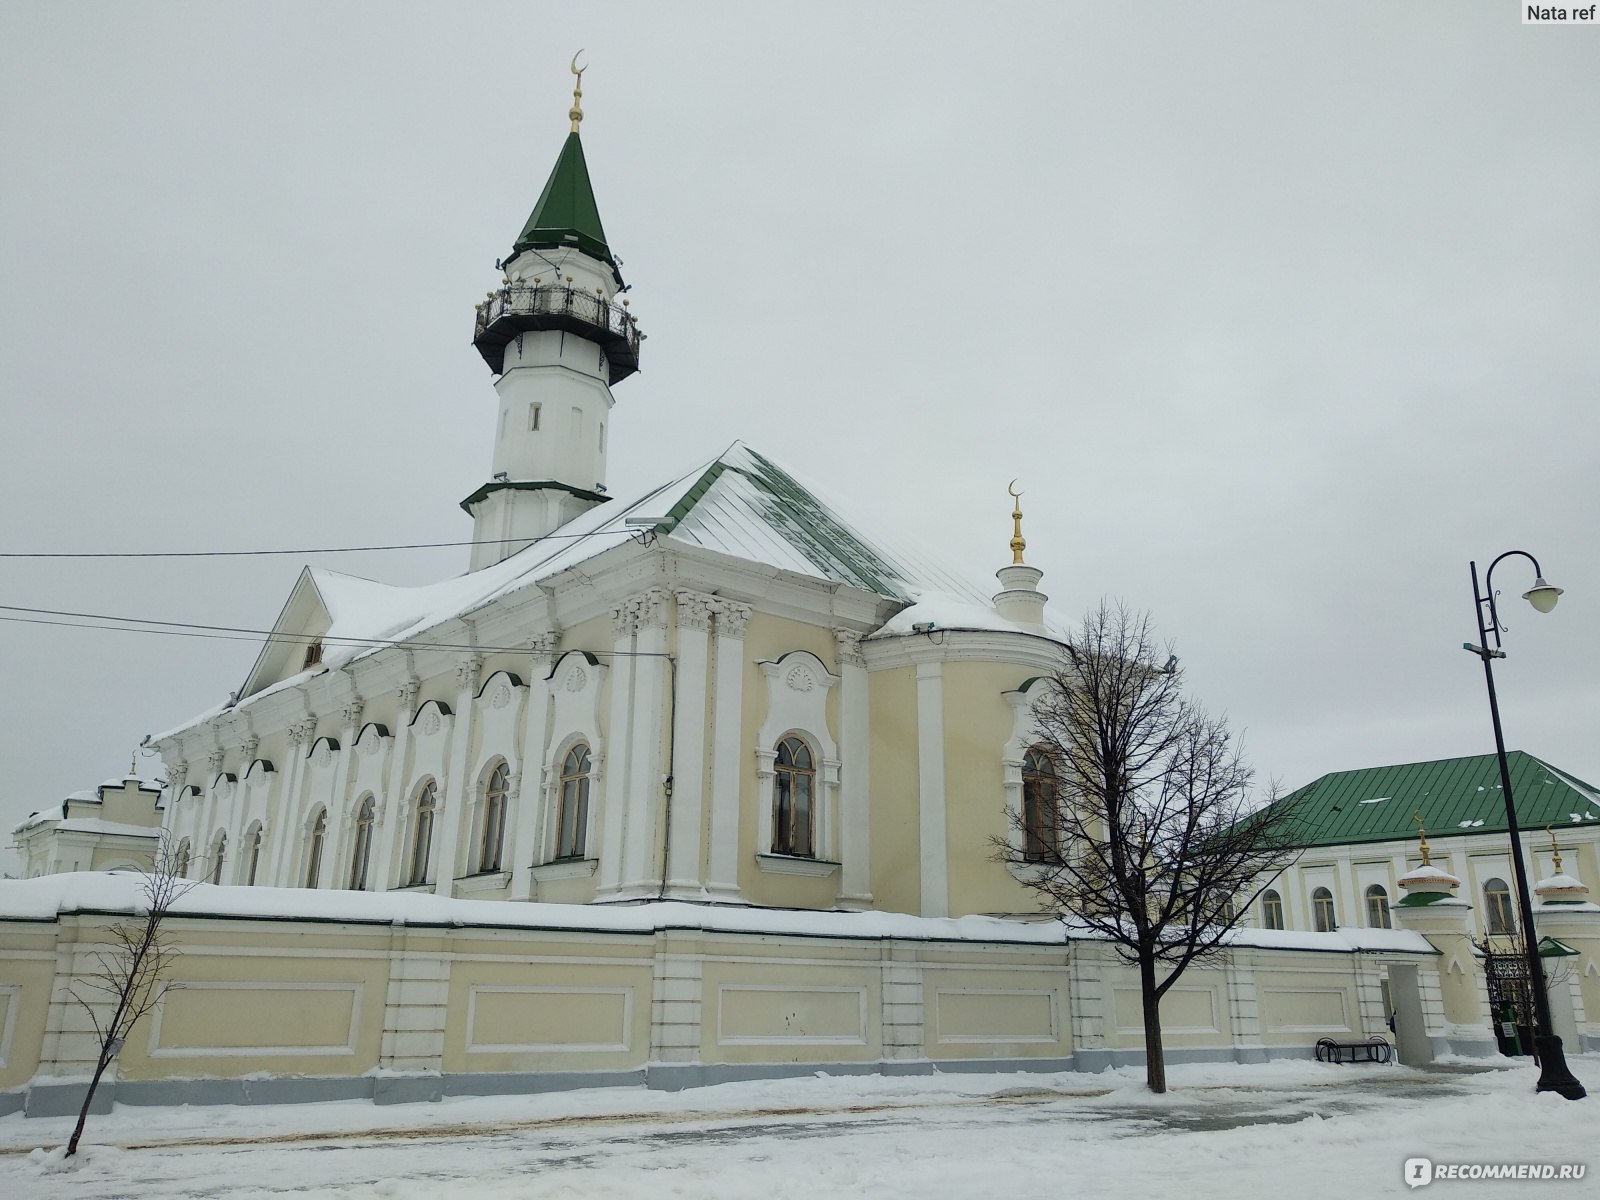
(1296, 1130)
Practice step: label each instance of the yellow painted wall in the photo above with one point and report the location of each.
(896, 873)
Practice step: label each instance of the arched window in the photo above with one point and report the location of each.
(792, 808)
(1378, 906)
(422, 834)
(572, 803)
(1497, 907)
(495, 792)
(1040, 817)
(1271, 910)
(319, 835)
(219, 851)
(361, 852)
(180, 861)
(253, 855)
(1322, 916)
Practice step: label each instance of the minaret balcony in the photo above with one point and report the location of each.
(523, 307)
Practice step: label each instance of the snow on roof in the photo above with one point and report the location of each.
(741, 504)
(947, 611)
(107, 828)
(34, 820)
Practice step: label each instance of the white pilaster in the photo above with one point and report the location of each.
(930, 780)
(529, 811)
(687, 803)
(456, 801)
(641, 867)
(613, 804)
(390, 831)
(727, 756)
(340, 816)
(855, 740)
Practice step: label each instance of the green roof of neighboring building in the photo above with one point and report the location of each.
(1455, 796)
(566, 213)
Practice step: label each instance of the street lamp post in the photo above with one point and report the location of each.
(1553, 1073)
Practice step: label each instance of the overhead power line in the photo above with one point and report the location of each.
(314, 550)
(231, 633)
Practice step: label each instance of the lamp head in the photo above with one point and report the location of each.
(1542, 595)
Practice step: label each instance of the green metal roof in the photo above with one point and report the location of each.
(1455, 796)
(566, 213)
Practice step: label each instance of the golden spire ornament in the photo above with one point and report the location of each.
(1555, 850)
(1422, 839)
(1018, 543)
(576, 112)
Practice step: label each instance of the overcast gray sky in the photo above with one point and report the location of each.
(1280, 313)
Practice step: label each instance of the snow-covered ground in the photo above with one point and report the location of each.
(1290, 1131)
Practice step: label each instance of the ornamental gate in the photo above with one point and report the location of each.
(1510, 1001)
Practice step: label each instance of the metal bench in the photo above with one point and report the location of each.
(1374, 1049)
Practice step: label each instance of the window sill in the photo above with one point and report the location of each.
(566, 868)
(788, 864)
(413, 887)
(1028, 872)
(483, 881)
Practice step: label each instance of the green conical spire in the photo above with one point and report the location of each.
(566, 214)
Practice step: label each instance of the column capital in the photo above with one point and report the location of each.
(849, 643)
(350, 714)
(695, 610)
(467, 672)
(300, 731)
(406, 694)
(732, 618)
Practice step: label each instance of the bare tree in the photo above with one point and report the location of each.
(1137, 821)
(130, 971)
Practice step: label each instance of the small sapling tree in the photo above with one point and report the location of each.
(129, 973)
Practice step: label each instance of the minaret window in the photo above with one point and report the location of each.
(319, 835)
(533, 418)
(422, 834)
(573, 803)
(1040, 817)
(313, 654)
(494, 818)
(793, 810)
(361, 855)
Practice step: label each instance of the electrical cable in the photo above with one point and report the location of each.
(316, 550)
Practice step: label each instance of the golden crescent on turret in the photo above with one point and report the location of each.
(576, 112)
(1017, 544)
(1011, 490)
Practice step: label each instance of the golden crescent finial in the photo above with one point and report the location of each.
(576, 112)
(1018, 545)
(1422, 839)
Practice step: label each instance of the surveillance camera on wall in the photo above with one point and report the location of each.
(922, 627)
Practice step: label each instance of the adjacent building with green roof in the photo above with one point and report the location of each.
(1359, 833)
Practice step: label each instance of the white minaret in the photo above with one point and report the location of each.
(557, 339)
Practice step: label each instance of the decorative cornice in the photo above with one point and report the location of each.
(695, 610)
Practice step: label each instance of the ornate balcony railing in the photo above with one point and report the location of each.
(520, 307)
